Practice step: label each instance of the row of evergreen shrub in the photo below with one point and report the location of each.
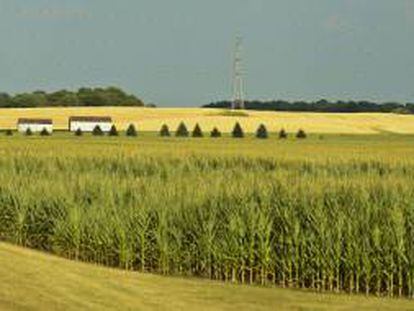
(181, 131)
(237, 132)
(29, 132)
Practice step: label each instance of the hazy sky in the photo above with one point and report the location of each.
(178, 52)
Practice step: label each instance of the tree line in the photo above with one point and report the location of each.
(109, 96)
(321, 106)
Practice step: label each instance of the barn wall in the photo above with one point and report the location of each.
(89, 126)
(34, 127)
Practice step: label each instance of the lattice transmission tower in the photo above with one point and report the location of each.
(238, 76)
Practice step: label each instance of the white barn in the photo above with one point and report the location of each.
(88, 123)
(35, 125)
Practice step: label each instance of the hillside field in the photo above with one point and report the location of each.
(327, 213)
(30, 280)
(151, 119)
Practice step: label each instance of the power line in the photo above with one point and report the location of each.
(237, 76)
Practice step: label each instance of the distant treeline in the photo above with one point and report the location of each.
(110, 96)
(321, 106)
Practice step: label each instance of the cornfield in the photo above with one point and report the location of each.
(331, 222)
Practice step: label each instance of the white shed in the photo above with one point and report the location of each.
(88, 123)
(35, 125)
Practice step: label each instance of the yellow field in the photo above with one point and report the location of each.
(150, 119)
(31, 280)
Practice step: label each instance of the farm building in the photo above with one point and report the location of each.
(88, 123)
(35, 125)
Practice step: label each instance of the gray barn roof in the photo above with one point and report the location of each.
(34, 121)
(90, 119)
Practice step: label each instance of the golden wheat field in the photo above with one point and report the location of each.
(151, 119)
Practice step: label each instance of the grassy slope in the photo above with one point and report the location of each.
(33, 281)
(151, 119)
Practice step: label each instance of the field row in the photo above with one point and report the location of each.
(68, 285)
